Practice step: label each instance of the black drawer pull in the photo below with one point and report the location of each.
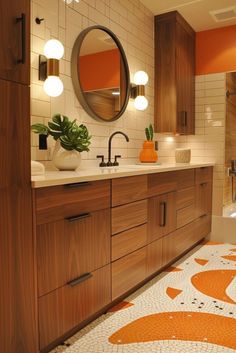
(79, 280)
(78, 217)
(163, 214)
(77, 185)
(203, 184)
(203, 215)
(22, 19)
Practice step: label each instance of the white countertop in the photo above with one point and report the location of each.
(52, 178)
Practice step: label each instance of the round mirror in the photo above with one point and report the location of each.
(100, 73)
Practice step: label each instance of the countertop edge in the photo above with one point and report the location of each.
(95, 174)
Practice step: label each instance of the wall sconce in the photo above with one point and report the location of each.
(138, 90)
(49, 67)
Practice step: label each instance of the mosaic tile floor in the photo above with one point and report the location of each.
(191, 307)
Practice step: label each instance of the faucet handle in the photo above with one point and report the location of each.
(115, 162)
(102, 164)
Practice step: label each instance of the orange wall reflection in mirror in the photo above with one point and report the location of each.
(216, 50)
(100, 70)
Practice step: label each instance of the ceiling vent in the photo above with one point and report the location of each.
(226, 14)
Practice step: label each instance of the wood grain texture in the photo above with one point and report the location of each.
(57, 202)
(154, 257)
(17, 253)
(185, 178)
(174, 74)
(203, 174)
(186, 215)
(203, 199)
(161, 183)
(128, 216)
(10, 38)
(128, 241)
(66, 250)
(156, 229)
(128, 271)
(65, 308)
(185, 197)
(126, 190)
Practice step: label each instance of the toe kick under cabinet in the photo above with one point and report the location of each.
(99, 240)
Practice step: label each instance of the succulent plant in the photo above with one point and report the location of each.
(71, 136)
(149, 132)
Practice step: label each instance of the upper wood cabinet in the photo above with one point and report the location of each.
(15, 39)
(174, 74)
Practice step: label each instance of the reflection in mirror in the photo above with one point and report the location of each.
(102, 74)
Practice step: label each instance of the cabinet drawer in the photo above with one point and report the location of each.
(203, 174)
(128, 241)
(65, 308)
(154, 257)
(68, 248)
(125, 190)
(128, 216)
(185, 215)
(161, 183)
(203, 199)
(127, 272)
(185, 197)
(185, 178)
(178, 242)
(202, 227)
(57, 202)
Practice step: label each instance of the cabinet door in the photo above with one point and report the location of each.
(161, 215)
(14, 38)
(17, 304)
(203, 199)
(185, 68)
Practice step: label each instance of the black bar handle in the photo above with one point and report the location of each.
(79, 280)
(163, 214)
(78, 217)
(203, 184)
(184, 118)
(22, 19)
(76, 185)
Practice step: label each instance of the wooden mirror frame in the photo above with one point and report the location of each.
(76, 79)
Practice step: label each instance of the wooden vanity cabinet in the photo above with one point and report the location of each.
(73, 255)
(174, 74)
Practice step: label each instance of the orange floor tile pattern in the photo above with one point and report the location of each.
(190, 307)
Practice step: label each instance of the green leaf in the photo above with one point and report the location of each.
(40, 129)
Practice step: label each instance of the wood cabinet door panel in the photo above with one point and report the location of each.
(126, 190)
(202, 227)
(128, 216)
(128, 271)
(203, 199)
(67, 249)
(203, 174)
(65, 308)
(161, 215)
(11, 38)
(161, 183)
(185, 197)
(154, 257)
(186, 178)
(57, 202)
(186, 215)
(128, 241)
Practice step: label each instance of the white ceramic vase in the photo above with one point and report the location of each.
(65, 160)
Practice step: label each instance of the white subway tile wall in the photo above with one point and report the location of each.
(133, 24)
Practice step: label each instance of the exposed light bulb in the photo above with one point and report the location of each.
(53, 49)
(141, 78)
(70, 1)
(141, 103)
(53, 86)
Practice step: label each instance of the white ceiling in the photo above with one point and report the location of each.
(196, 12)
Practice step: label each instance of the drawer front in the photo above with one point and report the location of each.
(125, 190)
(128, 241)
(203, 174)
(128, 216)
(161, 183)
(66, 249)
(127, 272)
(161, 215)
(185, 215)
(65, 308)
(54, 203)
(203, 199)
(202, 227)
(185, 197)
(185, 178)
(154, 257)
(178, 242)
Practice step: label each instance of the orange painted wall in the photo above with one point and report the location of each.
(216, 50)
(100, 70)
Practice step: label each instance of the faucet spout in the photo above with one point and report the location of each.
(109, 163)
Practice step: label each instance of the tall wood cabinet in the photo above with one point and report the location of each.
(17, 295)
(174, 74)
